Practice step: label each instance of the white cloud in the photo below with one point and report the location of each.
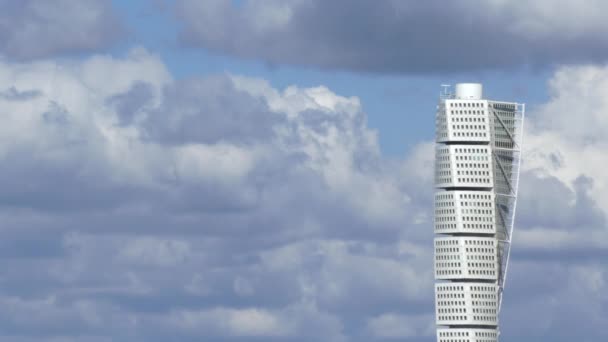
(232, 322)
(395, 326)
(565, 137)
(218, 206)
(226, 208)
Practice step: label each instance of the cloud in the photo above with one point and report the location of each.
(203, 110)
(398, 36)
(138, 207)
(391, 326)
(564, 144)
(557, 272)
(556, 205)
(217, 207)
(32, 29)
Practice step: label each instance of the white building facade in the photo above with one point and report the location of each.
(477, 160)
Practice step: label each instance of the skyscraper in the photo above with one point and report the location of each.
(477, 160)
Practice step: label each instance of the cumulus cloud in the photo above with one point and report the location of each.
(564, 155)
(399, 36)
(217, 207)
(557, 274)
(33, 29)
(391, 326)
(140, 207)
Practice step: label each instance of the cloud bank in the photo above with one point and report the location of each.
(31, 29)
(139, 207)
(399, 36)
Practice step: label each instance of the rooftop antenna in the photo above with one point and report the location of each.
(445, 93)
(445, 87)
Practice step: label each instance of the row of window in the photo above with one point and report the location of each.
(483, 303)
(488, 273)
(445, 211)
(468, 119)
(465, 340)
(471, 150)
(446, 250)
(456, 306)
(477, 211)
(443, 250)
(448, 272)
(465, 318)
(440, 226)
(447, 264)
(479, 242)
(471, 134)
(467, 112)
(484, 311)
(481, 257)
(479, 250)
(451, 303)
(446, 242)
(467, 242)
(487, 204)
(447, 257)
(472, 158)
(475, 219)
(473, 180)
(483, 296)
(466, 104)
(467, 333)
(476, 127)
(452, 318)
(477, 226)
(458, 274)
(451, 310)
(487, 269)
(503, 106)
(475, 195)
(454, 287)
(439, 251)
(485, 165)
(444, 257)
(469, 172)
(442, 216)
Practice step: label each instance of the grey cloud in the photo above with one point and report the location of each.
(132, 102)
(197, 111)
(116, 227)
(209, 111)
(12, 94)
(547, 202)
(161, 208)
(32, 29)
(556, 294)
(398, 36)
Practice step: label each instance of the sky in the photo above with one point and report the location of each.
(219, 170)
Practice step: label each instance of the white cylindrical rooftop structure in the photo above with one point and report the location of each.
(469, 91)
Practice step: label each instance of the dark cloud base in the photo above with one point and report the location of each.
(396, 36)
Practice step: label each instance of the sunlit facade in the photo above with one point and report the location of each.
(477, 159)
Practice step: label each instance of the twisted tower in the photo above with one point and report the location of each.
(477, 160)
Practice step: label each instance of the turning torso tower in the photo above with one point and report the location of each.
(477, 160)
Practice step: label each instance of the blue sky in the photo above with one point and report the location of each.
(263, 170)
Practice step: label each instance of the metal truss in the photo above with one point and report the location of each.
(506, 203)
